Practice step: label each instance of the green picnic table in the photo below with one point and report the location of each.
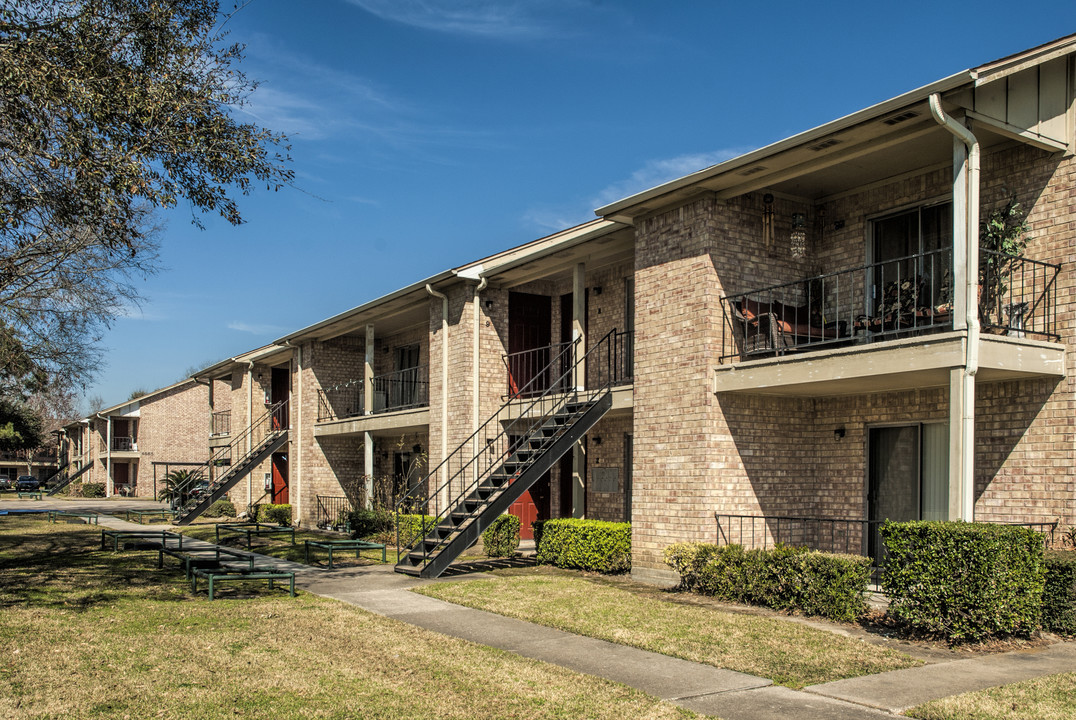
(331, 545)
(163, 536)
(33, 495)
(253, 529)
(200, 558)
(87, 517)
(214, 577)
(140, 516)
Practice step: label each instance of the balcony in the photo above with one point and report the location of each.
(220, 424)
(124, 444)
(396, 391)
(531, 372)
(889, 326)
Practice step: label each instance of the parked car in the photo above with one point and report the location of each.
(5, 483)
(26, 483)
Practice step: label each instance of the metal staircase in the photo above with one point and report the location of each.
(65, 479)
(200, 489)
(508, 453)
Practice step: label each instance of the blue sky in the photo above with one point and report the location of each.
(427, 133)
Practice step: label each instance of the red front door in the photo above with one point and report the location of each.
(280, 479)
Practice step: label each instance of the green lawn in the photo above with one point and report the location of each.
(92, 634)
(789, 653)
(1046, 698)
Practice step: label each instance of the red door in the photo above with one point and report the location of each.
(280, 479)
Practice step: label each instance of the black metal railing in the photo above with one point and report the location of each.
(402, 389)
(220, 423)
(123, 444)
(496, 440)
(332, 513)
(902, 297)
(834, 535)
(340, 401)
(532, 369)
(1017, 296)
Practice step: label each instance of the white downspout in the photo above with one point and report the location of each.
(971, 301)
(444, 380)
(474, 350)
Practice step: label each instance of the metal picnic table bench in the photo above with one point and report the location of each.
(255, 529)
(162, 535)
(140, 515)
(330, 545)
(224, 575)
(32, 494)
(87, 517)
(203, 557)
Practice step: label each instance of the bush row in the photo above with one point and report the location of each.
(584, 544)
(964, 581)
(220, 508)
(275, 514)
(1059, 592)
(784, 577)
(501, 538)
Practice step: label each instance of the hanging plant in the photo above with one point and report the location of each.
(1003, 237)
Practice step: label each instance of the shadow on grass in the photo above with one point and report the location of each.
(480, 566)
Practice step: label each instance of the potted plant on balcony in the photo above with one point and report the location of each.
(1002, 240)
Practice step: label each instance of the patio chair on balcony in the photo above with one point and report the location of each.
(907, 304)
(773, 327)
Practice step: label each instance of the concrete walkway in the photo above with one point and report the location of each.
(698, 687)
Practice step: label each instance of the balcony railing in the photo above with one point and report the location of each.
(123, 444)
(220, 423)
(530, 369)
(903, 297)
(400, 390)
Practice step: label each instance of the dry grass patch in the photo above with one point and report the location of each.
(1046, 698)
(91, 634)
(281, 547)
(790, 654)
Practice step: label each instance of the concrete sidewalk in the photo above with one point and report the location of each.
(695, 686)
(701, 688)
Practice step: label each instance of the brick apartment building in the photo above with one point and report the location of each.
(805, 331)
(130, 447)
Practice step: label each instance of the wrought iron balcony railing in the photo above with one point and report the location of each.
(398, 390)
(123, 444)
(220, 423)
(903, 297)
(531, 373)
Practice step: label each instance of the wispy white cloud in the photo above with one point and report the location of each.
(256, 329)
(289, 113)
(656, 172)
(481, 18)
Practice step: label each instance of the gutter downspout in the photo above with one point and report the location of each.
(295, 422)
(971, 303)
(250, 421)
(444, 380)
(477, 329)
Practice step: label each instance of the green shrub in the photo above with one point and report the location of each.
(1059, 592)
(220, 508)
(411, 528)
(276, 514)
(501, 538)
(964, 581)
(784, 577)
(586, 545)
(93, 490)
(364, 522)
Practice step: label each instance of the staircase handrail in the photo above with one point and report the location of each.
(555, 388)
(198, 475)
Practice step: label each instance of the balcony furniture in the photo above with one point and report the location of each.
(770, 327)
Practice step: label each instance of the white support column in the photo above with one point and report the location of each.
(109, 485)
(368, 399)
(579, 324)
(956, 442)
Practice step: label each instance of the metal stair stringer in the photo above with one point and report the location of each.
(67, 479)
(466, 533)
(237, 472)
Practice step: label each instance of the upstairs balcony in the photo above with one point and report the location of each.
(889, 325)
(220, 424)
(124, 444)
(532, 372)
(400, 390)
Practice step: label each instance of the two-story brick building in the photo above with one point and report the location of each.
(810, 331)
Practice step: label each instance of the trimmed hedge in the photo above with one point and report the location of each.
(364, 523)
(1059, 592)
(584, 544)
(964, 581)
(93, 490)
(784, 577)
(277, 514)
(501, 538)
(220, 508)
(413, 527)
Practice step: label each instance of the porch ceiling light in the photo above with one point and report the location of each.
(798, 238)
